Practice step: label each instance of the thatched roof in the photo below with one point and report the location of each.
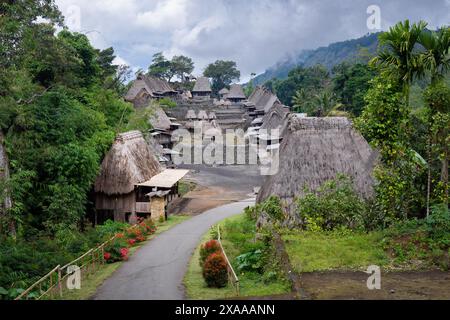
(202, 85)
(263, 99)
(202, 115)
(315, 150)
(129, 161)
(212, 116)
(191, 115)
(152, 85)
(236, 92)
(275, 118)
(159, 119)
(224, 91)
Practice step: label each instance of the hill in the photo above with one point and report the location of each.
(328, 56)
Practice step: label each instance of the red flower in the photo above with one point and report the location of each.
(131, 242)
(107, 255)
(124, 252)
(120, 235)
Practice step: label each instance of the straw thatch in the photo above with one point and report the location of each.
(263, 99)
(212, 115)
(159, 119)
(202, 115)
(236, 92)
(154, 87)
(191, 115)
(202, 85)
(275, 118)
(315, 150)
(128, 162)
(223, 92)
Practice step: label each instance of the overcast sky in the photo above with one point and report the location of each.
(254, 33)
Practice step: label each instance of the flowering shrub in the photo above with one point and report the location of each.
(215, 271)
(115, 251)
(131, 242)
(212, 246)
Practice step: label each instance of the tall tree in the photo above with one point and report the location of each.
(222, 73)
(181, 66)
(399, 56)
(160, 66)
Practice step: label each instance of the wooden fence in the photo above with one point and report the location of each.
(234, 280)
(53, 284)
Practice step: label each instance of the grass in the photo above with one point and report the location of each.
(238, 234)
(313, 251)
(185, 187)
(89, 285)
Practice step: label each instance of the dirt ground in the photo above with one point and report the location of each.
(217, 186)
(349, 285)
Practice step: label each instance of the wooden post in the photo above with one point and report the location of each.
(59, 282)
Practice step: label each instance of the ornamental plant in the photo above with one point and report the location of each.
(116, 251)
(215, 271)
(212, 246)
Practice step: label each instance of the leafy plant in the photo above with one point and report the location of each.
(215, 271)
(208, 248)
(252, 261)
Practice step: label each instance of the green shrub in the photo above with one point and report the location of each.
(272, 207)
(215, 271)
(167, 103)
(208, 248)
(333, 204)
(252, 261)
(109, 228)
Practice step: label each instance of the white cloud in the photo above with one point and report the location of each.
(254, 33)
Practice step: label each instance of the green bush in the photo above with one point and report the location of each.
(334, 204)
(215, 271)
(167, 103)
(252, 261)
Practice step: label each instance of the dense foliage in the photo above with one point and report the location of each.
(215, 271)
(222, 73)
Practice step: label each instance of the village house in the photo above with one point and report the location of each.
(236, 94)
(315, 150)
(132, 183)
(223, 93)
(146, 88)
(202, 89)
(129, 162)
(261, 101)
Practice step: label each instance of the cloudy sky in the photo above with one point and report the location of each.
(254, 33)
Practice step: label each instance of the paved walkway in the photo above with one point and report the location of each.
(157, 269)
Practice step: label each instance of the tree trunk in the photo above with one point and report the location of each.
(6, 204)
(444, 174)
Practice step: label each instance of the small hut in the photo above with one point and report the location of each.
(202, 89)
(129, 162)
(236, 94)
(261, 101)
(191, 115)
(275, 118)
(202, 115)
(315, 150)
(212, 115)
(223, 93)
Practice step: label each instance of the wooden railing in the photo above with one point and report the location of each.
(51, 286)
(234, 280)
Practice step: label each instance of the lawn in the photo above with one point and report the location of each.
(89, 285)
(238, 236)
(314, 251)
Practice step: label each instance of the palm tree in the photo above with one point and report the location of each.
(436, 60)
(399, 56)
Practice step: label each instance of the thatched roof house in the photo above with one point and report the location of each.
(202, 88)
(236, 93)
(223, 93)
(191, 115)
(129, 162)
(145, 88)
(263, 99)
(159, 119)
(275, 118)
(202, 115)
(315, 150)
